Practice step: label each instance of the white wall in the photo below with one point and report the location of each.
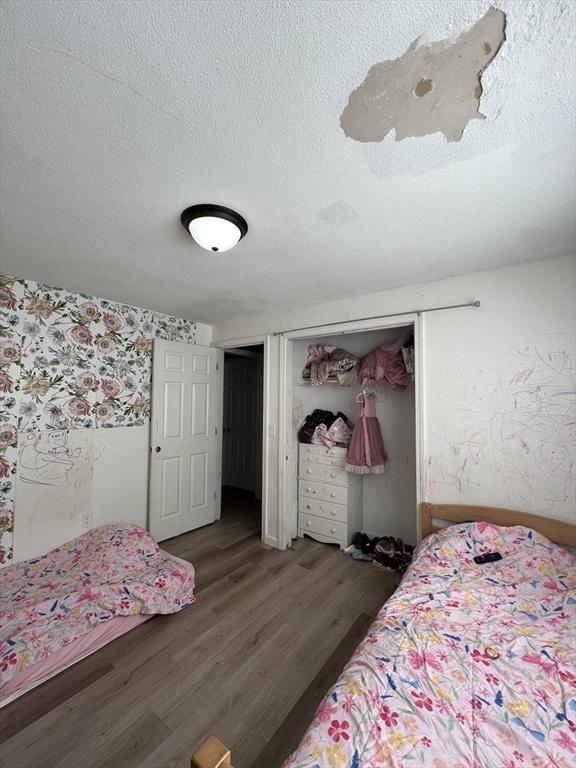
(203, 334)
(388, 500)
(498, 381)
(500, 396)
(119, 494)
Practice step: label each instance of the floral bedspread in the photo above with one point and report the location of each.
(466, 666)
(115, 570)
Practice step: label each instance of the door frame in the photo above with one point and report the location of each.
(269, 419)
(287, 501)
(258, 359)
(238, 352)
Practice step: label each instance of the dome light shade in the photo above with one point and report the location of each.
(214, 227)
(213, 233)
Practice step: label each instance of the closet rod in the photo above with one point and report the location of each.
(379, 317)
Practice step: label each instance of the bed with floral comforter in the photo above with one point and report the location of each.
(51, 601)
(466, 666)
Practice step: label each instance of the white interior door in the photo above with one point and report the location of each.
(184, 450)
(242, 423)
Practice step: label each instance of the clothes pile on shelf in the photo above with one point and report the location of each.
(327, 363)
(386, 364)
(387, 553)
(326, 428)
(392, 364)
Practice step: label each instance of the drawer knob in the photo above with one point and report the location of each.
(332, 512)
(332, 474)
(308, 523)
(308, 506)
(332, 530)
(309, 471)
(332, 495)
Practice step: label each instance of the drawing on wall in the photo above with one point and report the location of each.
(515, 425)
(54, 478)
(47, 459)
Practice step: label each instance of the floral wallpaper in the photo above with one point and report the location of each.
(69, 361)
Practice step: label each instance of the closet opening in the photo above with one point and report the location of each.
(328, 494)
(242, 437)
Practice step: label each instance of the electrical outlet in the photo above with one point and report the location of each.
(271, 430)
(86, 519)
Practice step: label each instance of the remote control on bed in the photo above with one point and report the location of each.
(490, 557)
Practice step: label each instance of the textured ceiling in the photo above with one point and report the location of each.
(117, 115)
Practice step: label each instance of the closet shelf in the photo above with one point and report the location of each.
(308, 383)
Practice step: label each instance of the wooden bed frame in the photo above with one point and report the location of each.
(555, 530)
(213, 754)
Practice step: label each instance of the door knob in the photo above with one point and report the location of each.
(157, 449)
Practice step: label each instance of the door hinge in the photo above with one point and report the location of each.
(217, 366)
(215, 430)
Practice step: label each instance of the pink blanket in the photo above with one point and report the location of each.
(115, 570)
(466, 666)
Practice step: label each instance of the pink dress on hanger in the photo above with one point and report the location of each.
(366, 453)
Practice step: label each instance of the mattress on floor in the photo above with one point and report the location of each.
(76, 593)
(92, 641)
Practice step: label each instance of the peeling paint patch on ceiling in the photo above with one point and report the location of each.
(433, 87)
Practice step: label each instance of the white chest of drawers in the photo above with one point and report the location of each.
(329, 498)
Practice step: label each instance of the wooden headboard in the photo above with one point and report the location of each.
(555, 530)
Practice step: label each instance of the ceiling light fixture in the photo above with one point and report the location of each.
(214, 227)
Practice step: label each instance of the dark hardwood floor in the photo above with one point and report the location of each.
(248, 662)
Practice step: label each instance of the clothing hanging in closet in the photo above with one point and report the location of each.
(366, 454)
